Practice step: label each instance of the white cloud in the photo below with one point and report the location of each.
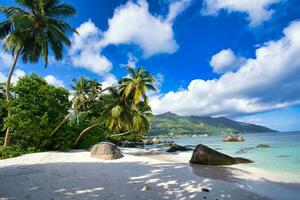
(131, 23)
(176, 8)
(257, 11)
(109, 80)
(86, 49)
(225, 61)
(15, 77)
(268, 81)
(134, 24)
(54, 81)
(5, 59)
(132, 60)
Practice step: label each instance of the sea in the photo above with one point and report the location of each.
(282, 158)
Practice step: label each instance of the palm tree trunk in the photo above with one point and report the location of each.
(8, 97)
(61, 123)
(120, 134)
(83, 132)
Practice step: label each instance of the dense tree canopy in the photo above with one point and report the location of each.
(35, 109)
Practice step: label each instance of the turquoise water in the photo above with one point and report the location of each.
(282, 158)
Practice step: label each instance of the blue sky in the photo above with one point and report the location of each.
(212, 57)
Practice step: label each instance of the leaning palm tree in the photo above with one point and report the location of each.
(85, 93)
(128, 109)
(30, 30)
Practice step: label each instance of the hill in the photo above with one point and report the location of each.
(172, 123)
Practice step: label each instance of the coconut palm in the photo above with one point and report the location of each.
(140, 119)
(85, 93)
(126, 110)
(30, 30)
(135, 86)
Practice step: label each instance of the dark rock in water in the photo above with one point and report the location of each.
(205, 190)
(204, 155)
(245, 150)
(233, 138)
(263, 146)
(131, 144)
(106, 151)
(175, 147)
(282, 156)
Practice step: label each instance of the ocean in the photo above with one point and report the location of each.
(282, 158)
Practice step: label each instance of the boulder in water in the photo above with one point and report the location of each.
(106, 151)
(263, 146)
(204, 155)
(233, 138)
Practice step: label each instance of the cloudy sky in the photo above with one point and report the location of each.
(234, 58)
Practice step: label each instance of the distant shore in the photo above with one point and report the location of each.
(140, 174)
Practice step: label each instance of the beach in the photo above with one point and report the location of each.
(140, 174)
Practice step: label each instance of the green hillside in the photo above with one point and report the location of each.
(172, 123)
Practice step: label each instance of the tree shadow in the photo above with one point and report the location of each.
(119, 180)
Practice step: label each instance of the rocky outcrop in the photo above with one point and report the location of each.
(106, 151)
(175, 147)
(263, 146)
(131, 144)
(233, 138)
(155, 141)
(204, 155)
(151, 141)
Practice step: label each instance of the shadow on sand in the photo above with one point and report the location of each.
(122, 180)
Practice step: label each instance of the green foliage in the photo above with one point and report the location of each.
(129, 137)
(35, 109)
(13, 151)
(35, 27)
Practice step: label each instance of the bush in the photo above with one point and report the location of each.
(13, 151)
(36, 109)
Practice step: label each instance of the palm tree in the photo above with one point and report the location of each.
(135, 86)
(141, 115)
(30, 30)
(127, 110)
(85, 92)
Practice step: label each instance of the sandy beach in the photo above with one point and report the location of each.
(140, 174)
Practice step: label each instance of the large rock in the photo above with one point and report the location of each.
(106, 151)
(175, 147)
(155, 141)
(233, 138)
(204, 155)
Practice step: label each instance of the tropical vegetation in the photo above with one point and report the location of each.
(94, 113)
(37, 116)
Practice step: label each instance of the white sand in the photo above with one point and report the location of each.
(150, 175)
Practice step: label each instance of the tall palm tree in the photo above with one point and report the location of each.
(135, 86)
(30, 30)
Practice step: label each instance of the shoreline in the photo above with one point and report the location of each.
(76, 175)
